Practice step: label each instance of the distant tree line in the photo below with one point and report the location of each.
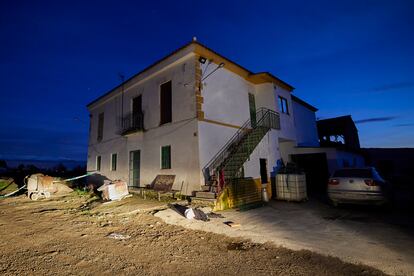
(21, 171)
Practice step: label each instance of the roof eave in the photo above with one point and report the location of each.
(256, 78)
(302, 102)
(137, 74)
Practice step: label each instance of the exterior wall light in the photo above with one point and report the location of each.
(202, 60)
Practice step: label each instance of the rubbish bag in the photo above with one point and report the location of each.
(189, 213)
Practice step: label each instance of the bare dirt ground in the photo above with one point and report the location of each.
(380, 238)
(70, 236)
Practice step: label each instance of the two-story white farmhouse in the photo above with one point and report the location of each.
(200, 117)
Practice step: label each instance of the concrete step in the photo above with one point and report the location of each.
(203, 201)
(208, 195)
(205, 188)
(194, 198)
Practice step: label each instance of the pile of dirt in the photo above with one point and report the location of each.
(70, 240)
(61, 188)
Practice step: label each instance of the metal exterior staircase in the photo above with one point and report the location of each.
(237, 150)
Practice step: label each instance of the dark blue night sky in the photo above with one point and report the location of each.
(344, 57)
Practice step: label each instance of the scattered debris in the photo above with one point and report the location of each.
(109, 202)
(240, 246)
(189, 213)
(114, 190)
(232, 224)
(43, 186)
(90, 204)
(200, 215)
(214, 215)
(118, 236)
(178, 208)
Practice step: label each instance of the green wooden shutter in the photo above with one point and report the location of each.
(166, 157)
(163, 158)
(114, 161)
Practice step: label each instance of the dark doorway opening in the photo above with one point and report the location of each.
(263, 171)
(315, 166)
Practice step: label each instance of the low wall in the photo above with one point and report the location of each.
(241, 192)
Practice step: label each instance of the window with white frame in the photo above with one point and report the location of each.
(283, 105)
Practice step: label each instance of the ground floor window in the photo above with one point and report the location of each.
(114, 160)
(98, 162)
(166, 157)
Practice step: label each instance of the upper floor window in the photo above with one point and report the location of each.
(283, 105)
(137, 105)
(166, 103)
(100, 126)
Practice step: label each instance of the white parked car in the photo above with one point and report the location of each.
(358, 185)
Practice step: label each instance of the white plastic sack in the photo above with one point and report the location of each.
(189, 213)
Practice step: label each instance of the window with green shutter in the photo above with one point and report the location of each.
(114, 159)
(166, 157)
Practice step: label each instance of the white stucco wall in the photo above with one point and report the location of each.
(225, 96)
(226, 100)
(287, 123)
(265, 96)
(267, 149)
(193, 142)
(182, 137)
(180, 134)
(305, 126)
(212, 138)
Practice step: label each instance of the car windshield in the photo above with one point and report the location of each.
(362, 173)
